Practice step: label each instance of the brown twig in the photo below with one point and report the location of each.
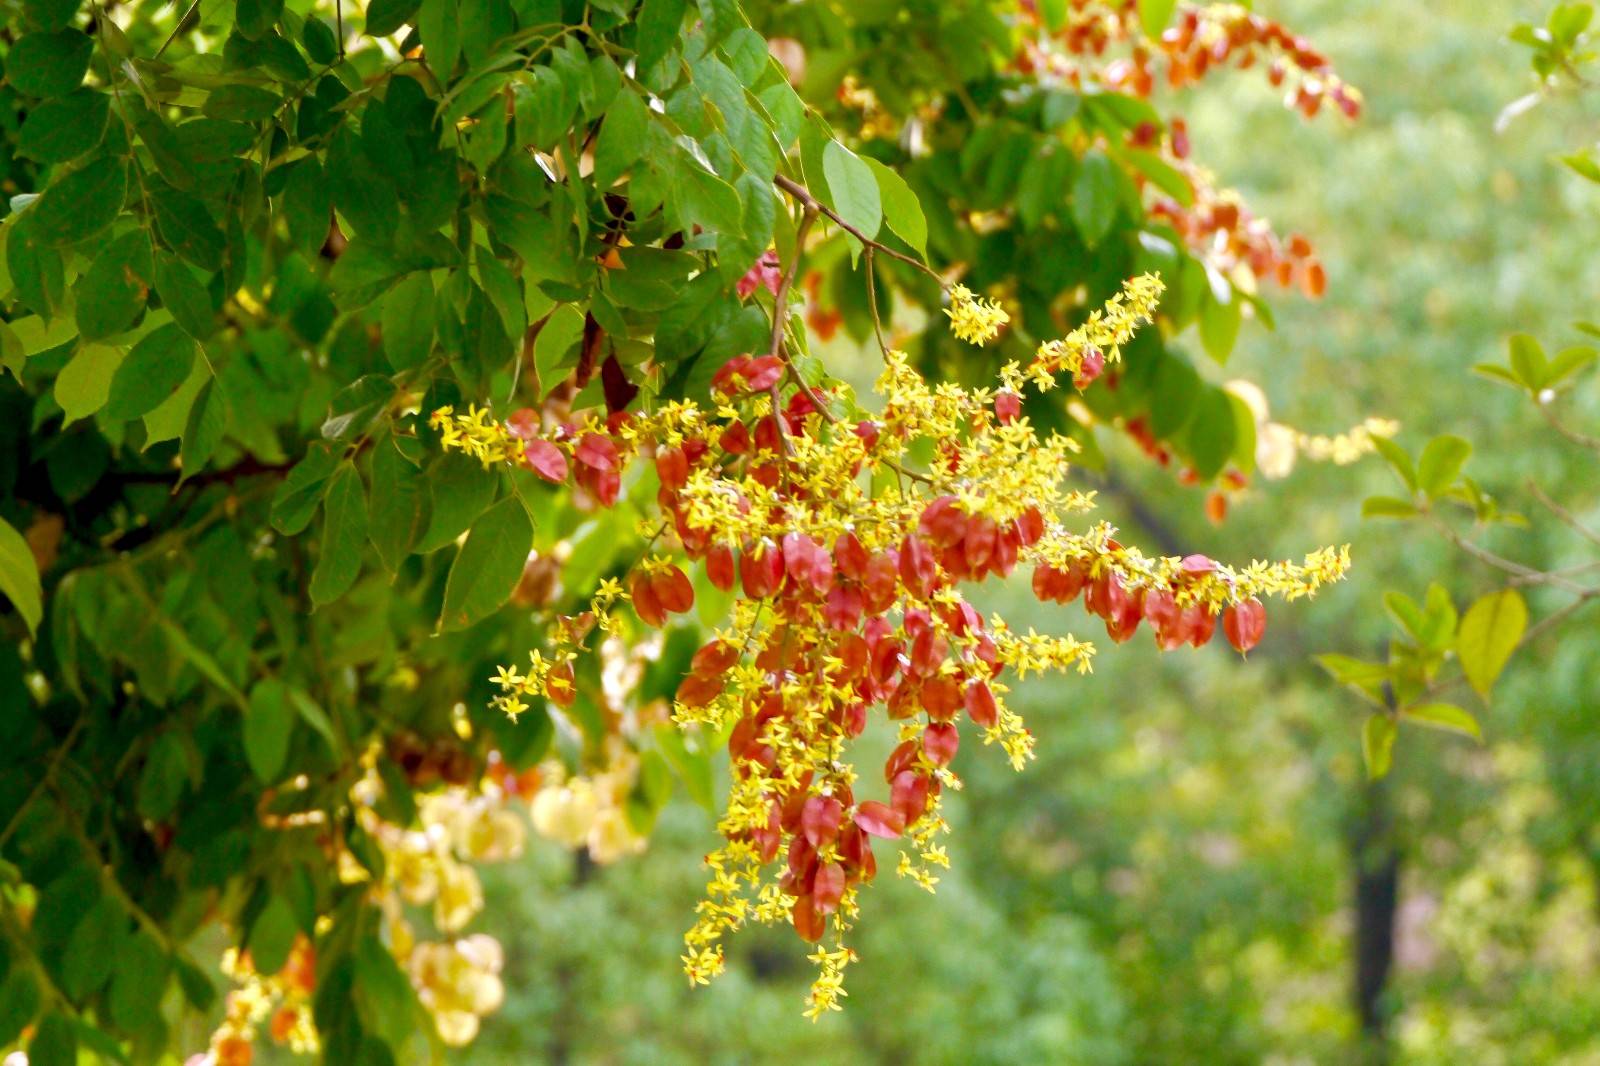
(1566, 517)
(1582, 440)
(811, 203)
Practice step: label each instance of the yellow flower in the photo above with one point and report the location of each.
(974, 320)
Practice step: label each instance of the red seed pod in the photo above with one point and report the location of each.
(881, 582)
(1195, 565)
(918, 568)
(697, 690)
(940, 741)
(941, 698)
(980, 543)
(596, 451)
(1123, 621)
(730, 374)
(827, 887)
(1007, 406)
(909, 795)
(809, 922)
(761, 570)
(903, 757)
(672, 467)
(849, 557)
(819, 820)
(943, 524)
(1030, 527)
(673, 591)
(560, 685)
(546, 460)
(1089, 368)
(843, 609)
(646, 602)
(720, 567)
(1201, 623)
(980, 704)
(1244, 623)
(928, 651)
(735, 440)
(880, 820)
(762, 373)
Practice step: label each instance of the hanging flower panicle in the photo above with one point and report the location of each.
(848, 565)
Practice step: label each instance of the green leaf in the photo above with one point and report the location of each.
(19, 576)
(407, 318)
(1155, 14)
(161, 782)
(272, 935)
(384, 17)
(112, 291)
(439, 23)
(83, 203)
(1377, 745)
(901, 208)
(1528, 361)
(854, 188)
(400, 505)
(1568, 362)
(187, 227)
(171, 416)
(92, 948)
(356, 408)
(50, 14)
(1219, 325)
(659, 24)
(54, 1043)
(1397, 458)
(84, 383)
(61, 130)
(20, 999)
(255, 17)
(460, 490)
(49, 64)
(556, 337)
(344, 534)
(1387, 507)
(268, 725)
(319, 40)
(1441, 463)
(153, 371)
(1567, 21)
(1211, 433)
(1445, 716)
(183, 295)
(1490, 631)
(622, 139)
(203, 431)
(140, 980)
(296, 500)
(1095, 197)
(490, 564)
(384, 998)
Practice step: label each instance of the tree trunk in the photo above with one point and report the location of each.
(1376, 858)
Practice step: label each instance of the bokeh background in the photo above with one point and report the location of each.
(1175, 879)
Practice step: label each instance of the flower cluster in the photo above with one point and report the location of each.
(848, 565)
(974, 320)
(283, 997)
(1202, 38)
(590, 810)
